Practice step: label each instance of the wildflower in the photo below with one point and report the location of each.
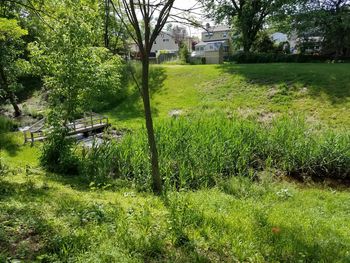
(276, 230)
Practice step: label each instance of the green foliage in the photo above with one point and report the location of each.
(263, 43)
(79, 74)
(96, 163)
(57, 154)
(198, 153)
(251, 57)
(12, 66)
(55, 220)
(4, 169)
(10, 30)
(247, 17)
(6, 125)
(184, 54)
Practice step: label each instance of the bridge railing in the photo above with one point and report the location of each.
(91, 121)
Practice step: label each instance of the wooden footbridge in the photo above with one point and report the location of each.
(91, 122)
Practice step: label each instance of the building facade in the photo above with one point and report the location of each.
(220, 33)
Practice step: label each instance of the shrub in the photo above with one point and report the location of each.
(6, 125)
(58, 153)
(250, 57)
(184, 54)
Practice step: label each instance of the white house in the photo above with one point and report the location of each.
(279, 37)
(213, 52)
(215, 45)
(164, 41)
(218, 33)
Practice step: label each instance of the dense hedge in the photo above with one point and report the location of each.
(251, 57)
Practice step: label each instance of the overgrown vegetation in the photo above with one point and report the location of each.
(51, 219)
(200, 152)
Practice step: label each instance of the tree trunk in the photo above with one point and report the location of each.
(247, 44)
(156, 179)
(106, 36)
(14, 104)
(9, 93)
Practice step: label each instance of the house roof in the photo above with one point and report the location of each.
(218, 28)
(201, 44)
(216, 42)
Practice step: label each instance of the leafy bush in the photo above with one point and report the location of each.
(263, 43)
(184, 54)
(242, 57)
(201, 152)
(6, 124)
(58, 153)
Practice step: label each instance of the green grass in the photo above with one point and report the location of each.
(55, 219)
(50, 218)
(320, 91)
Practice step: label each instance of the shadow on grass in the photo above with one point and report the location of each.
(8, 143)
(331, 79)
(25, 233)
(27, 189)
(132, 107)
(76, 182)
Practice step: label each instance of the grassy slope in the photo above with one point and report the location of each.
(320, 91)
(61, 220)
(276, 221)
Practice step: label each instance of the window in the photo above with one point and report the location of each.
(155, 42)
(224, 34)
(165, 40)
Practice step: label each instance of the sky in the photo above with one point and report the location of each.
(185, 4)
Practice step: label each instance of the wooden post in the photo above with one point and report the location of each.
(32, 138)
(74, 128)
(92, 124)
(25, 136)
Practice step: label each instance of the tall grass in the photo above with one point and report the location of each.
(201, 152)
(6, 124)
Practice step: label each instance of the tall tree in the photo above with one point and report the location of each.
(329, 19)
(77, 71)
(144, 21)
(247, 16)
(11, 64)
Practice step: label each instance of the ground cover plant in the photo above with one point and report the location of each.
(266, 123)
(47, 218)
(199, 152)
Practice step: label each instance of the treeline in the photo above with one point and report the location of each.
(322, 23)
(67, 46)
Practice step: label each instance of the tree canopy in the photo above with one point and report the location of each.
(11, 64)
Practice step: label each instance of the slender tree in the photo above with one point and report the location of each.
(144, 20)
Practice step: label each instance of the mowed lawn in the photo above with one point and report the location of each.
(52, 218)
(318, 92)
